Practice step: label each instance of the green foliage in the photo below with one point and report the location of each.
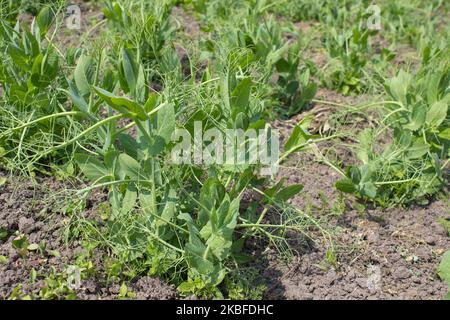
(28, 67)
(349, 54)
(411, 167)
(155, 222)
(108, 110)
(32, 80)
(295, 87)
(144, 26)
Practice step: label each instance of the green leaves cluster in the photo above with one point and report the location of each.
(28, 66)
(410, 168)
(156, 220)
(143, 25)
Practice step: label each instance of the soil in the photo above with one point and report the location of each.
(380, 255)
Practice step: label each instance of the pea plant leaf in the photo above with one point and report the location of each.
(92, 167)
(166, 122)
(288, 192)
(437, 114)
(346, 185)
(130, 167)
(122, 104)
(45, 19)
(83, 75)
(240, 96)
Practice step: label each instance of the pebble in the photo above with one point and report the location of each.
(26, 225)
(401, 273)
(430, 240)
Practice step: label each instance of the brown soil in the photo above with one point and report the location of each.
(380, 255)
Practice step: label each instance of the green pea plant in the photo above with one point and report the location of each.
(410, 166)
(31, 78)
(143, 25)
(156, 222)
(349, 53)
(296, 89)
(286, 78)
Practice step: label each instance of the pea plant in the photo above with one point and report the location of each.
(155, 221)
(277, 62)
(31, 77)
(146, 26)
(28, 65)
(411, 166)
(349, 55)
(295, 86)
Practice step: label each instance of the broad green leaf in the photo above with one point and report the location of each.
(433, 87)
(129, 199)
(271, 192)
(141, 86)
(417, 117)
(78, 101)
(186, 287)
(151, 102)
(147, 203)
(437, 113)
(130, 167)
(122, 104)
(292, 87)
(19, 57)
(168, 212)
(345, 185)
(241, 121)
(445, 134)
(298, 138)
(288, 192)
(368, 189)
(91, 167)
(309, 92)
(241, 96)
(220, 244)
(365, 145)
(211, 195)
(417, 150)
(283, 66)
(130, 68)
(398, 86)
(83, 75)
(166, 122)
(45, 19)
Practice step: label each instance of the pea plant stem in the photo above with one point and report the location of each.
(82, 134)
(30, 123)
(298, 147)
